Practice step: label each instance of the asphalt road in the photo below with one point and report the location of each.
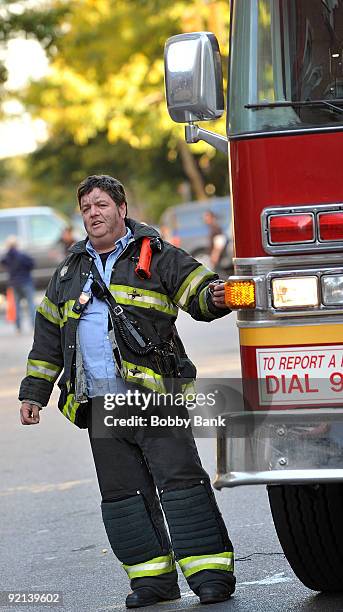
(51, 534)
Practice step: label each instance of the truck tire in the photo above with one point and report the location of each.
(309, 523)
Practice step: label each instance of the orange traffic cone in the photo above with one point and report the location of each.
(10, 307)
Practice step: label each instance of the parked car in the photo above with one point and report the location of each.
(38, 230)
(78, 227)
(183, 225)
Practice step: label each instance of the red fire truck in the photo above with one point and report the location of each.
(284, 139)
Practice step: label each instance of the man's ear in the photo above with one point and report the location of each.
(122, 210)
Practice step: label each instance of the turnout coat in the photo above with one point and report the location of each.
(177, 281)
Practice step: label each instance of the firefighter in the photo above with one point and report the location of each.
(108, 327)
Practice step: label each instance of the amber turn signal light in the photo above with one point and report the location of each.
(240, 294)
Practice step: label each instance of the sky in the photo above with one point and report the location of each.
(25, 59)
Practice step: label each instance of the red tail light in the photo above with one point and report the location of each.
(331, 226)
(286, 229)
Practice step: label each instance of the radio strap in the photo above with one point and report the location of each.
(102, 292)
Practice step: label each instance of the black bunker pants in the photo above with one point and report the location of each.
(133, 464)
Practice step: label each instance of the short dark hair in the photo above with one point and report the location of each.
(106, 183)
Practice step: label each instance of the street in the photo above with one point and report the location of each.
(52, 536)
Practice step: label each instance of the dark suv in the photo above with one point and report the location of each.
(38, 230)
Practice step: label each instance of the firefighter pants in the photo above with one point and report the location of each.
(147, 475)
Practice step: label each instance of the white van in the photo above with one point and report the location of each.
(38, 230)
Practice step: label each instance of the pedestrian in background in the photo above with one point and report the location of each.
(67, 239)
(19, 266)
(218, 240)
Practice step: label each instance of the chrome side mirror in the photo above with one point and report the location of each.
(193, 77)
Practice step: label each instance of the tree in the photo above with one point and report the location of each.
(22, 19)
(35, 20)
(15, 185)
(103, 99)
(107, 76)
(57, 167)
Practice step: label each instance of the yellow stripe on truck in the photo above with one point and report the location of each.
(290, 336)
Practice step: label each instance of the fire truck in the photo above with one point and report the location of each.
(284, 143)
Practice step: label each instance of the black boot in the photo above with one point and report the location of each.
(146, 596)
(210, 593)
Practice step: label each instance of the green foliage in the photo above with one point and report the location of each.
(14, 184)
(43, 24)
(56, 168)
(20, 19)
(103, 99)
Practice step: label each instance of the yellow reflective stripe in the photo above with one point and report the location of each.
(67, 405)
(143, 298)
(73, 410)
(68, 312)
(70, 408)
(203, 304)
(153, 567)
(190, 285)
(144, 302)
(188, 389)
(42, 369)
(221, 561)
(143, 376)
(49, 311)
(52, 314)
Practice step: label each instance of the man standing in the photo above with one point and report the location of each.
(218, 241)
(19, 266)
(109, 326)
(67, 239)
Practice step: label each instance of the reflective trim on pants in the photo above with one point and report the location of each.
(220, 561)
(153, 567)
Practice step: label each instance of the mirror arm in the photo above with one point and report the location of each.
(193, 134)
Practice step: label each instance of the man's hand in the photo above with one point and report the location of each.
(217, 292)
(29, 414)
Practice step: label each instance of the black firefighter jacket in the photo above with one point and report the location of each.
(177, 281)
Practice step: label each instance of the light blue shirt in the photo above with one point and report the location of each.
(100, 369)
